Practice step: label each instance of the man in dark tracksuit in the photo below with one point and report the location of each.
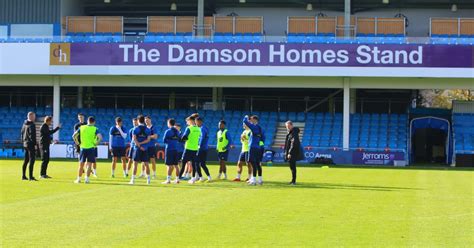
(45, 141)
(293, 150)
(28, 137)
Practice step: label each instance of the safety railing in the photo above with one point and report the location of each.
(252, 38)
(451, 27)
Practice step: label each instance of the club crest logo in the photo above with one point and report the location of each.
(60, 54)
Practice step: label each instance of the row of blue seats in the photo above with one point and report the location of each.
(363, 145)
(377, 116)
(379, 35)
(452, 35)
(341, 40)
(67, 39)
(93, 34)
(375, 125)
(452, 41)
(193, 39)
(312, 34)
(381, 144)
(367, 131)
(240, 39)
(376, 40)
(94, 39)
(357, 35)
(463, 127)
(139, 110)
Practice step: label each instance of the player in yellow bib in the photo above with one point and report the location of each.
(191, 146)
(87, 137)
(223, 144)
(244, 139)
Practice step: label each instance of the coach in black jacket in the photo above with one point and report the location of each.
(293, 150)
(28, 138)
(45, 141)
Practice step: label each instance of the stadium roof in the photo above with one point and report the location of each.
(189, 7)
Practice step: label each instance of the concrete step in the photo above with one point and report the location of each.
(280, 134)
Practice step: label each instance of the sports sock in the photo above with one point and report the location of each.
(238, 175)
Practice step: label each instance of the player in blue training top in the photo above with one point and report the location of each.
(254, 155)
(203, 147)
(152, 149)
(130, 148)
(117, 135)
(141, 137)
(171, 140)
(188, 167)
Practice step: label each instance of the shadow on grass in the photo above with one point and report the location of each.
(268, 185)
(342, 166)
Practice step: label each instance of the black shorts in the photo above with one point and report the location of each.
(188, 155)
(171, 157)
(243, 156)
(202, 156)
(96, 152)
(180, 155)
(151, 151)
(87, 155)
(223, 156)
(118, 152)
(140, 156)
(254, 156)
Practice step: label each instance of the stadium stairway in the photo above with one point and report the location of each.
(281, 132)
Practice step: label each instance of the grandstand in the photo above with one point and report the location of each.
(334, 59)
(463, 132)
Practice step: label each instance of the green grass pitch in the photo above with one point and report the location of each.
(334, 207)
